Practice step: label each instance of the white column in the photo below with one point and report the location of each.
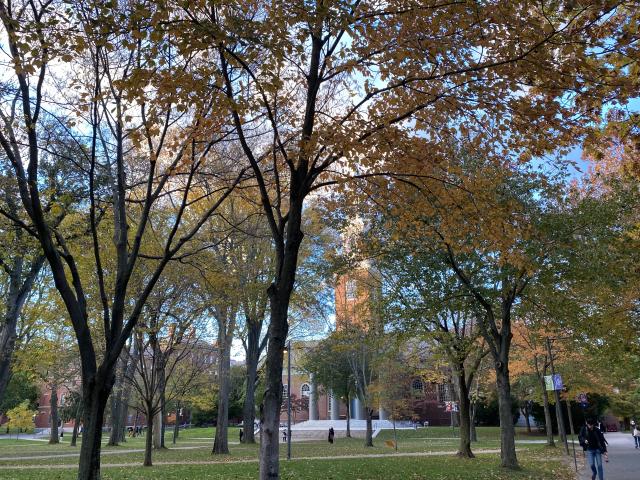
(313, 400)
(358, 409)
(382, 413)
(335, 407)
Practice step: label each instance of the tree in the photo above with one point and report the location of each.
(121, 393)
(329, 365)
(72, 411)
(529, 348)
(220, 277)
(21, 417)
(145, 153)
(22, 262)
(394, 386)
(363, 349)
(20, 388)
(582, 284)
(421, 296)
(251, 322)
(298, 405)
(50, 357)
(395, 80)
(164, 340)
(511, 61)
(491, 234)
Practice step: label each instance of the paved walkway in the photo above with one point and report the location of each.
(77, 454)
(248, 460)
(624, 459)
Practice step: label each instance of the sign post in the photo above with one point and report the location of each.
(573, 440)
(555, 382)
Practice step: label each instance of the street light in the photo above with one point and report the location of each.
(559, 407)
(556, 393)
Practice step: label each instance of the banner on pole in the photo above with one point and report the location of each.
(451, 407)
(553, 382)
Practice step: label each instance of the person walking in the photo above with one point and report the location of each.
(594, 444)
(332, 434)
(636, 435)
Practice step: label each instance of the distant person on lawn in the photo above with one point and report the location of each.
(595, 446)
(331, 434)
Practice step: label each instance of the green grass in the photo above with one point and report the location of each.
(484, 467)
(538, 461)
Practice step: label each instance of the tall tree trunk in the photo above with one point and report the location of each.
(368, 439)
(525, 412)
(148, 441)
(162, 387)
(163, 423)
(507, 431)
(7, 346)
(17, 294)
(135, 423)
(117, 397)
(126, 391)
(348, 417)
(74, 434)
(157, 430)
(95, 393)
(562, 432)
(548, 424)
(176, 424)
(115, 401)
(249, 407)
(124, 414)
(279, 297)
(76, 424)
(464, 449)
(472, 422)
(221, 442)
(54, 435)
(278, 329)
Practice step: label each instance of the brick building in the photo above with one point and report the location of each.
(42, 419)
(355, 296)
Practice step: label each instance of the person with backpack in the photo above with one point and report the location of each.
(594, 445)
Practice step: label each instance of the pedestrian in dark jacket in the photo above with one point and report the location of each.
(595, 446)
(331, 434)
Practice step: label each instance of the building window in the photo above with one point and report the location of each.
(350, 288)
(305, 390)
(444, 393)
(417, 386)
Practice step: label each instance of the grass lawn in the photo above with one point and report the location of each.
(424, 449)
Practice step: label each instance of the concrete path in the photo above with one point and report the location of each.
(248, 460)
(77, 454)
(624, 459)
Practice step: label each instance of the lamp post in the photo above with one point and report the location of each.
(559, 411)
(556, 393)
(289, 400)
